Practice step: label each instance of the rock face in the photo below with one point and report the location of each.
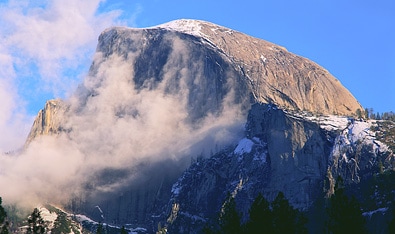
(296, 149)
(273, 74)
(203, 63)
(48, 120)
(279, 153)
(156, 97)
(282, 151)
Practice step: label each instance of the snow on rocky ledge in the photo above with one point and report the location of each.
(244, 146)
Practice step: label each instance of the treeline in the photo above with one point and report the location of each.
(369, 113)
(264, 217)
(340, 213)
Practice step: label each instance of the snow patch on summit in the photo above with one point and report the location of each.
(188, 26)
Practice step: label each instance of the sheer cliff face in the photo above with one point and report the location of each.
(48, 120)
(279, 153)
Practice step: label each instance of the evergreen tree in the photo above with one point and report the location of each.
(344, 213)
(100, 229)
(230, 219)
(36, 223)
(366, 113)
(371, 113)
(123, 230)
(285, 218)
(317, 215)
(358, 112)
(3, 220)
(61, 224)
(261, 219)
(391, 223)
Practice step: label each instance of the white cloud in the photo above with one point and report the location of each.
(13, 122)
(55, 36)
(45, 47)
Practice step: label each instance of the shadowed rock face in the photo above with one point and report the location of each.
(281, 152)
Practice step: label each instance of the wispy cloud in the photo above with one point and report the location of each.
(54, 37)
(45, 48)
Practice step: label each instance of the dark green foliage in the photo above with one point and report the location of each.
(286, 219)
(344, 213)
(100, 229)
(36, 223)
(3, 213)
(369, 113)
(377, 191)
(62, 224)
(260, 217)
(277, 217)
(366, 113)
(391, 224)
(374, 194)
(317, 215)
(358, 113)
(3, 220)
(123, 230)
(4, 229)
(229, 221)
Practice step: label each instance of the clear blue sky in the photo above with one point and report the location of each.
(354, 40)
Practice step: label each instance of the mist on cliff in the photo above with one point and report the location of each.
(113, 126)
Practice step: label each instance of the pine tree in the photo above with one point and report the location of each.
(123, 230)
(344, 213)
(286, 219)
(61, 224)
(100, 229)
(358, 112)
(3, 220)
(366, 113)
(36, 223)
(391, 223)
(230, 218)
(261, 218)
